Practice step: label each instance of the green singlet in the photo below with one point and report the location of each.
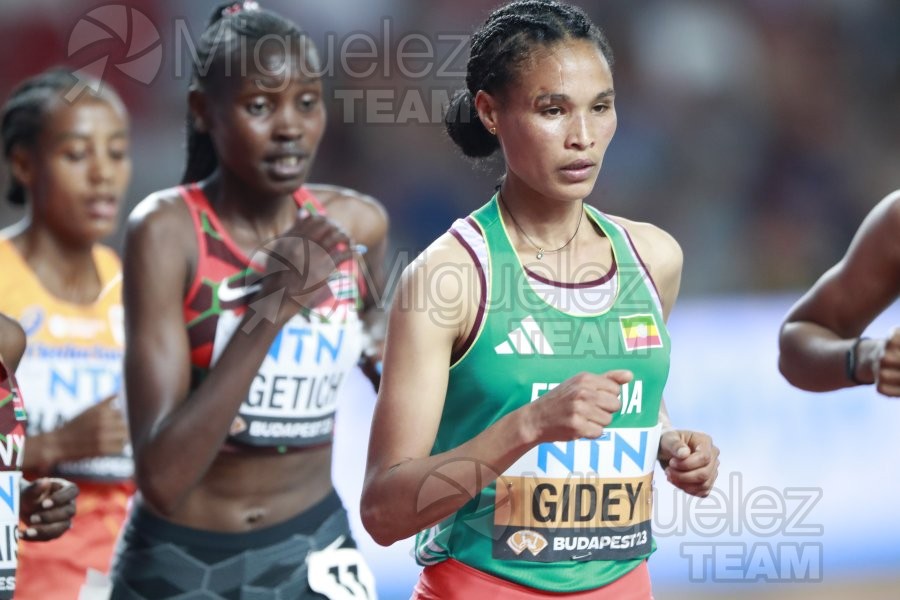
(567, 516)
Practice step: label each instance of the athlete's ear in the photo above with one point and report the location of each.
(199, 107)
(21, 166)
(486, 105)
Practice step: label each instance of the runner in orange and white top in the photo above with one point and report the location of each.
(69, 163)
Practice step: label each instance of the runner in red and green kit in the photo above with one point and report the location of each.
(246, 319)
(12, 440)
(40, 521)
(528, 345)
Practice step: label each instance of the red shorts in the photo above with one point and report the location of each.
(452, 580)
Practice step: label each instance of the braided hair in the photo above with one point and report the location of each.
(25, 113)
(498, 48)
(230, 25)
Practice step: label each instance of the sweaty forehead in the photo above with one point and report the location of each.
(274, 61)
(571, 67)
(87, 115)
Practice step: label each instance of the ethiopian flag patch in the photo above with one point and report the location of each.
(640, 332)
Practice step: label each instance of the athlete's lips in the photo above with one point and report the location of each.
(579, 170)
(103, 206)
(579, 165)
(288, 150)
(287, 164)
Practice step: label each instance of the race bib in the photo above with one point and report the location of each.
(9, 531)
(583, 500)
(293, 397)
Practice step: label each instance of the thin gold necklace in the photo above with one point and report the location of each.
(540, 250)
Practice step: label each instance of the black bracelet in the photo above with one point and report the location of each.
(851, 363)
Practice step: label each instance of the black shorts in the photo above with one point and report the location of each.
(157, 559)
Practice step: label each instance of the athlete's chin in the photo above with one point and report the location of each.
(575, 191)
(282, 186)
(93, 231)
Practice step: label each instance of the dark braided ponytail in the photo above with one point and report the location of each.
(498, 48)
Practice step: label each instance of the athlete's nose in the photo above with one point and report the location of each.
(101, 167)
(288, 124)
(580, 135)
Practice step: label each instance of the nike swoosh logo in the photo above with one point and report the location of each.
(233, 294)
(580, 556)
(336, 543)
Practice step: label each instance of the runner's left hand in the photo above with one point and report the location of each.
(47, 506)
(691, 461)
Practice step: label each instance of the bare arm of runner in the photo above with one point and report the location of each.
(824, 324)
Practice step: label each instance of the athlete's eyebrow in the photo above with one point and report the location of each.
(552, 98)
(273, 83)
(77, 135)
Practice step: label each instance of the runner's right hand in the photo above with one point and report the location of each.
(100, 430)
(301, 260)
(883, 361)
(579, 407)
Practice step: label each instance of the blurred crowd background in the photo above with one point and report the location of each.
(759, 133)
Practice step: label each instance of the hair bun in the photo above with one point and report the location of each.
(465, 128)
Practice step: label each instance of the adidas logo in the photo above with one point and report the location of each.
(526, 338)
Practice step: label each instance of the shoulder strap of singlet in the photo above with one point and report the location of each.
(306, 201)
(13, 394)
(6, 247)
(196, 203)
(470, 235)
(625, 243)
(13, 265)
(109, 267)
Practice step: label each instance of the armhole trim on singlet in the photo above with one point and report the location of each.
(305, 200)
(470, 236)
(652, 288)
(192, 200)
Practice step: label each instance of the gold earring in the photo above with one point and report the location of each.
(493, 130)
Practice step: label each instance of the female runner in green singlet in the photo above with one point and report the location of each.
(512, 338)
